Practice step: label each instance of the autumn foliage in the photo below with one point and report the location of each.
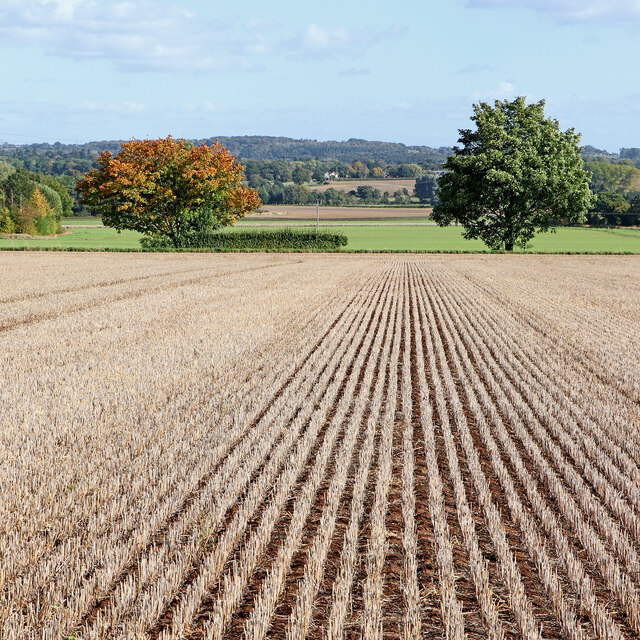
(168, 188)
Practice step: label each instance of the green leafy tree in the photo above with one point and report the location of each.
(359, 170)
(368, 194)
(425, 187)
(297, 194)
(66, 201)
(513, 175)
(407, 170)
(6, 170)
(54, 202)
(608, 202)
(301, 175)
(35, 217)
(18, 187)
(612, 177)
(334, 197)
(402, 196)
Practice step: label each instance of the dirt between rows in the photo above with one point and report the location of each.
(442, 329)
(393, 600)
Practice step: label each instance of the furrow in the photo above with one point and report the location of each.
(617, 580)
(301, 614)
(270, 440)
(377, 547)
(547, 518)
(412, 627)
(581, 441)
(477, 563)
(249, 437)
(451, 609)
(264, 605)
(233, 584)
(479, 402)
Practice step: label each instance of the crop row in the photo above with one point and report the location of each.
(423, 452)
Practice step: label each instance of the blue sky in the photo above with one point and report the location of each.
(396, 70)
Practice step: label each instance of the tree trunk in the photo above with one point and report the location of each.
(508, 246)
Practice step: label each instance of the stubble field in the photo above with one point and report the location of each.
(288, 446)
(390, 185)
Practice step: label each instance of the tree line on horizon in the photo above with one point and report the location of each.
(281, 168)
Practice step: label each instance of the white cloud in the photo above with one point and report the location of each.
(127, 106)
(64, 9)
(501, 91)
(159, 35)
(142, 36)
(573, 10)
(337, 41)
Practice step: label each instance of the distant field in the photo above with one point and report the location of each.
(433, 238)
(362, 222)
(375, 237)
(87, 237)
(82, 222)
(296, 212)
(391, 185)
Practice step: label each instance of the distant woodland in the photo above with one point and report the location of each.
(282, 170)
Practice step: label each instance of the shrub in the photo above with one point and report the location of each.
(274, 240)
(47, 226)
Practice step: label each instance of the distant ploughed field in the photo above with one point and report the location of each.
(319, 446)
(299, 212)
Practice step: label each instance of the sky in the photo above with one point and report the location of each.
(394, 70)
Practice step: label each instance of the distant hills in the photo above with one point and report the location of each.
(60, 159)
(255, 148)
(276, 148)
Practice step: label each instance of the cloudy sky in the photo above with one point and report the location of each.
(402, 70)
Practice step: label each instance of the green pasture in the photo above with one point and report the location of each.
(83, 222)
(433, 238)
(388, 237)
(81, 238)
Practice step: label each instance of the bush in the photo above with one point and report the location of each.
(278, 240)
(47, 226)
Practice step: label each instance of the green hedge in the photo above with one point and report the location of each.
(277, 239)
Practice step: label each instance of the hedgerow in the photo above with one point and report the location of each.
(280, 239)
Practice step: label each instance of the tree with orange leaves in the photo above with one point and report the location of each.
(168, 188)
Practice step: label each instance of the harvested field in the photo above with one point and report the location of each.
(299, 212)
(391, 185)
(277, 446)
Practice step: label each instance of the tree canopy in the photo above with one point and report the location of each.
(31, 203)
(426, 187)
(168, 188)
(618, 178)
(513, 175)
